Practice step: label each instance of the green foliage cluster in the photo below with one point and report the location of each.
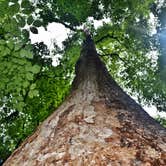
(18, 71)
(31, 87)
(161, 120)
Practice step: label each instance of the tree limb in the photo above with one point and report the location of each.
(65, 24)
(113, 54)
(108, 36)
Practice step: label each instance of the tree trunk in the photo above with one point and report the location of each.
(98, 124)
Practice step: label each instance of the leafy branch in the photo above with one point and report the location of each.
(111, 55)
(108, 36)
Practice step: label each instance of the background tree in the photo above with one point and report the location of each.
(31, 88)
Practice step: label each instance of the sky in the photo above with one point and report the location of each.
(57, 32)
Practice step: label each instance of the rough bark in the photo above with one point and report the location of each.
(98, 124)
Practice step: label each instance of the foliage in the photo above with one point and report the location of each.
(31, 87)
(161, 120)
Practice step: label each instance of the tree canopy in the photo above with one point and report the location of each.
(132, 44)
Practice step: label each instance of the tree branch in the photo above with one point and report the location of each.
(113, 54)
(66, 25)
(108, 36)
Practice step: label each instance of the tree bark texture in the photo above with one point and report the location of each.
(97, 125)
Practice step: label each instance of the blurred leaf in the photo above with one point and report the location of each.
(34, 30)
(29, 76)
(30, 20)
(35, 69)
(33, 93)
(25, 4)
(26, 53)
(21, 20)
(14, 8)
(37, 23)
(25, 34)
(10, 44)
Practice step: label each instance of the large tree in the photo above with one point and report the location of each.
(31, 88)
(98, 124)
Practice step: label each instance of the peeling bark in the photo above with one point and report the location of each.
(97, 125)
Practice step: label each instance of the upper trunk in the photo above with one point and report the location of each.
(98, 124)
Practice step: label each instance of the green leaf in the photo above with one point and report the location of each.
(30, 20)
(21, 20)
(30, 94)
(17, 46)
(27, 11)
(33, 86)
(23, 92)
(15, 30)
(34, 30)
(23, 53)
(21, 61)
(33, 93)
(26, 53)
(10, 44)
(17, 55)
(29, 76)
(7, 27)
(14, 8)
(25, 84)
(19, 106)
(35, 69)
(37, 23)
(25, 34)
(2, 42)
(25, 4)
(3, 7)
(6, 51)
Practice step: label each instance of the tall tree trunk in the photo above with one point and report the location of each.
(98, 124)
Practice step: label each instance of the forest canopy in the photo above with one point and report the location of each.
(132, 44)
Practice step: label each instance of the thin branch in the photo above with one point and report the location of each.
(108, 36)
(65, 24)
(113, 54)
